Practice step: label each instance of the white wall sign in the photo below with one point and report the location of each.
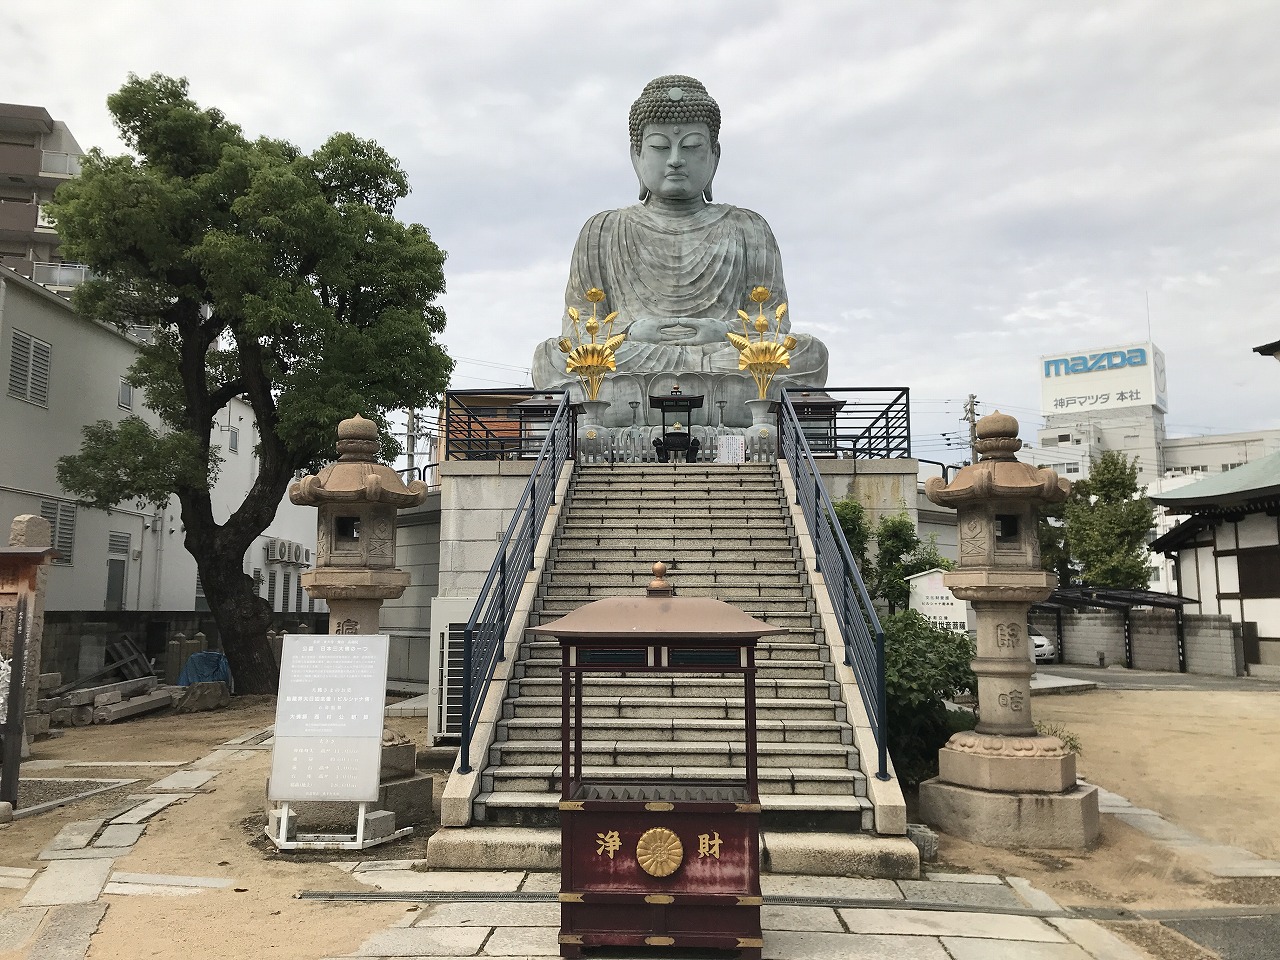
(731, 449)
(329, 714)
(1131, 375)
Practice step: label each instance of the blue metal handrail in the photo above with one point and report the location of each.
(491, 618)
(860, 628)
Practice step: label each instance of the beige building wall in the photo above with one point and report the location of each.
(66, 373)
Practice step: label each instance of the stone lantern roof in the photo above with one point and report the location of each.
(998, 474)
(357, 476)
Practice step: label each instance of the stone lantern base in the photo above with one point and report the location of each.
(1010, 792)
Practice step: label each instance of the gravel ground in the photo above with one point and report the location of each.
(43, 790)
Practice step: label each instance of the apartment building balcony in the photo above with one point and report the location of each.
(18, 219)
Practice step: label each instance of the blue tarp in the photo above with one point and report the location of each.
(207, 667)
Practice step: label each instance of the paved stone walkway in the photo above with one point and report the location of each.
(943, 917)
(62, 903)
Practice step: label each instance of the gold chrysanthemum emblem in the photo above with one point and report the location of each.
(659, 852)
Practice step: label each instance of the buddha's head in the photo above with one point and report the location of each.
(675, 139)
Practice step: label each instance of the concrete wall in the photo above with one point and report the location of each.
(418, 554)
(883, 487)
(1211, 646)
(477, 498)
(75, 642)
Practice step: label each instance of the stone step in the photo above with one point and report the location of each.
(710, 502)
(668, 730)
(845, 813)
(784, 563)
(795, 647)
(670, 688)
(778, 618)
(677, 470)
(804, 781)
(542, 706)
(683, 555)
(545, 667)
(705, 515)
(699, 753)
(637, 580)
(790, 596)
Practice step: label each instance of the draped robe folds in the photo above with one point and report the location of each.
(696, 270)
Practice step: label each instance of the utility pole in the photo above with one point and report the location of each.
(411, 438)
(971, 415)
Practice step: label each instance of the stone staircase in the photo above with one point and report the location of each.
(725, 532)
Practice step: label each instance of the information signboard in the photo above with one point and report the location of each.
(731, 449)
(329, 714)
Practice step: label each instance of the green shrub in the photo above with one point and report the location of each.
(924, 666)
(1069, 739)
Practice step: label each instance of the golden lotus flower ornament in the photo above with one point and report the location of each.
(770, 351)
(591, 359)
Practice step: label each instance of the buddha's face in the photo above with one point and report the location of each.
(676, 160)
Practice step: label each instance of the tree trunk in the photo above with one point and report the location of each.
(243, 619)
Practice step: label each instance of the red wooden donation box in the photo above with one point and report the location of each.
(649, 861)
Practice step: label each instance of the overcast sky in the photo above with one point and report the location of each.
(957, 187)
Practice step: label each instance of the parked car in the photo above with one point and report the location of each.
(1044, 649)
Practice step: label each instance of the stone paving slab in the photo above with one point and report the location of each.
(780, 885)
(964, 878)
(88, 853)
(75, 835)
(364, 865)
(816, 919)
(948, 923)
(467, 915)
(962, 948)
(169, 880)
(969, 894)
(149, 806)
(1101, 943)
(541, 882)
(24, 873)
(408, 881)
(65, 934)
(120, 835)
(182, 780)
(425, 942)
(68, 881)
(149, 890)
(13, 883)
(18, 926)
(1035, 899)
(523, 942)
(841, 946)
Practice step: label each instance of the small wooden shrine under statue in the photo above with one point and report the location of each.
(649, 862)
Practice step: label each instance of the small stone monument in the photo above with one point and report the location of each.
(357, 498)
(1003, 784)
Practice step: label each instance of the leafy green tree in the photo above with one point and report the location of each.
(1055, 555)
(900, 553)
(856, 528)
(264, 273)
(924, 666)
(1107, 521)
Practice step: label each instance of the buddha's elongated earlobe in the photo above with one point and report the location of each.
(706, 193)
(644, 193)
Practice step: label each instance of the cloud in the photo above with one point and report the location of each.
(956, 188)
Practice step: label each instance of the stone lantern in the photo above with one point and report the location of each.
(357, 498)
(1002, 784)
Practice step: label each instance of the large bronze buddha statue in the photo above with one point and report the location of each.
(677, 268)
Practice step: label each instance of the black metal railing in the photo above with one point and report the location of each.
(428, 473)
(854, 423)
(860, 628)
(490, 424)
(486, 630)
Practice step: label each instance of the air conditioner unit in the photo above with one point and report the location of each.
(272, 551)
(449, 616)
(295, 553)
